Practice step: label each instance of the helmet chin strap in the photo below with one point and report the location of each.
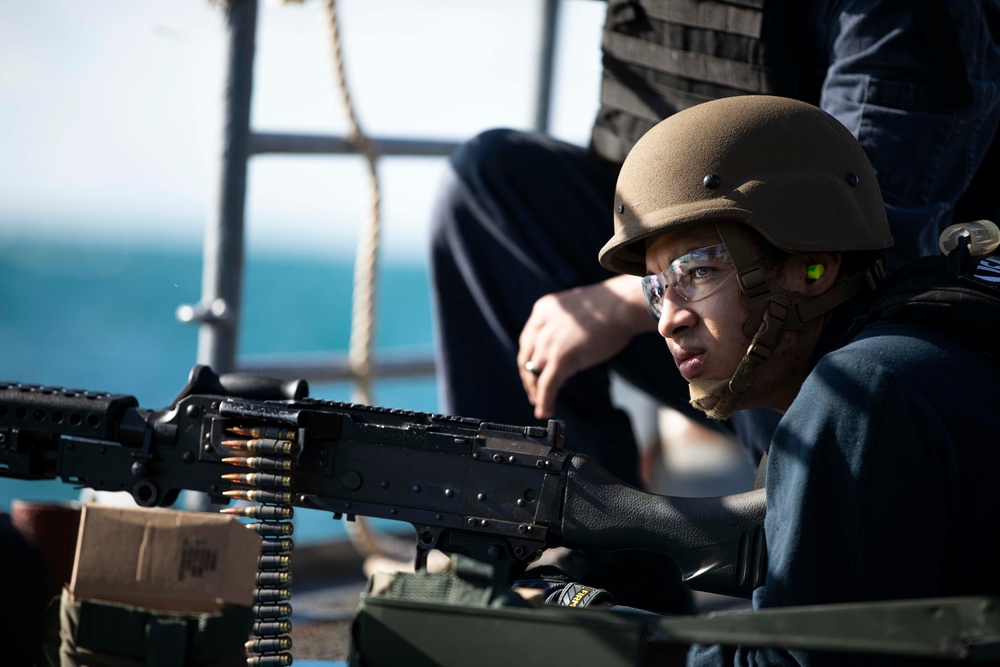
(773, 309)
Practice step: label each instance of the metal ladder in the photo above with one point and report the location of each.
(217, 314)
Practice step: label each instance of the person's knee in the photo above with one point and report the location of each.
(476, 172)
(493, 152)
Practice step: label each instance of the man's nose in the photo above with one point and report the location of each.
(675, 315)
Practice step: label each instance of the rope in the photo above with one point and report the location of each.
(366, 259)
(365, 540)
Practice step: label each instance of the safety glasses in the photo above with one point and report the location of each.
(694, 276)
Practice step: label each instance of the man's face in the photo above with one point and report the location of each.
(705, 336)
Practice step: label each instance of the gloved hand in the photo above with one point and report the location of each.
(550, 585)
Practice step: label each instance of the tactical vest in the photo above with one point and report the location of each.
(960, 295)
(662, 56)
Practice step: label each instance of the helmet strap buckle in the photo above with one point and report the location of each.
(753, 281)
(771, 327)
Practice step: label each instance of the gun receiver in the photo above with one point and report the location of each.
(494, 492)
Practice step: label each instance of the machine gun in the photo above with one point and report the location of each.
(498, 493)
(494, 492)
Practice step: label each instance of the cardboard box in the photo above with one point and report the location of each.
(164, 559)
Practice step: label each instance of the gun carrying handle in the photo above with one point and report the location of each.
(718, 543)
(203, 380)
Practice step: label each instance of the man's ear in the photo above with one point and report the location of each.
(815, 273)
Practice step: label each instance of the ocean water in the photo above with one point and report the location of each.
(100, 316)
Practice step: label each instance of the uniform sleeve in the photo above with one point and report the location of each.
(915, 83)
(857, 495)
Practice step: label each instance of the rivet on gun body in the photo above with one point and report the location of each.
(520, 502)
(448, 493)
(497, 458)
(494, 552)
(352, 480)
(192, 411)
(384, 484)
(472, 523)
(511, 459)
(539, 463)
(475, 455)
(484, 522)
(480, 496)
(416, 488)
(393, 511)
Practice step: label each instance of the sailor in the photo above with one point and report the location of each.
(758, 227)
(518, 297)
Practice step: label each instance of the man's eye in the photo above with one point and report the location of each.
(700, 272)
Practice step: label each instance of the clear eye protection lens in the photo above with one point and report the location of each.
(654, 288)
(694, 276)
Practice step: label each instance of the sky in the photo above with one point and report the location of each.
(111, 111)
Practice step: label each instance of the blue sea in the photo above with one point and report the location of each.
(100, 316)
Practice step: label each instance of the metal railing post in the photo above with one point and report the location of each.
(222, 274)
(546, 64)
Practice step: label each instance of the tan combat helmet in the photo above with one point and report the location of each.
(785, 168)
